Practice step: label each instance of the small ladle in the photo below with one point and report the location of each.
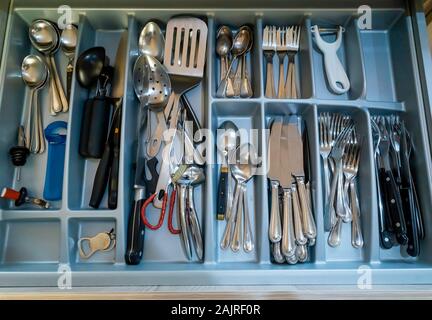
(45, 38)
(239, 47)
(68, 43)
(35, 74)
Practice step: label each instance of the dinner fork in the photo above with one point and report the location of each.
(336, 154)
(269, 49)
(281, 50)
(292, 38)
(325, 148)
(349, 169)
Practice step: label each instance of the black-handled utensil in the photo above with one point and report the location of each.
(222, 193)
(136, 231)
(393, 205)
(115, 167)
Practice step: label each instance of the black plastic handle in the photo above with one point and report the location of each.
(135, 235)
(85, 128)
(222, 194)
(115, 167)
(413, 248)
(101, 177)
(151, 184)
(393, 205)
(101, 110)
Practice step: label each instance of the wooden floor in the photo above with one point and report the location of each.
(222, 293)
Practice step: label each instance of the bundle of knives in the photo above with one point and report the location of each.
(292, 226)
(400, 218)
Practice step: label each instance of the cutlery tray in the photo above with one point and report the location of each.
(386, 66)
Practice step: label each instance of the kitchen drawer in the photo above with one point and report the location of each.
(387, 66)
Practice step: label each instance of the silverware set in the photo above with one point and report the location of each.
(243, 163)
(232, 50)
(292, 225)
(284, 42)
(340, 148)
(400, 217)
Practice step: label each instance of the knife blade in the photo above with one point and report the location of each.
(288, 184)
(275, 228)
(117, 91)
(136, 228)
(297, 170)
(118, 82)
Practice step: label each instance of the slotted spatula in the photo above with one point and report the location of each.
(185, 52)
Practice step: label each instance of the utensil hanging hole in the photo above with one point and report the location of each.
(173, 46)
(189, 48)
(197, 48)
(180, 56)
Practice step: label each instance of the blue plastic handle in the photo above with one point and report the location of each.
(55, 164)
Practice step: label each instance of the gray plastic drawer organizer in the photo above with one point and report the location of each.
(382, 65)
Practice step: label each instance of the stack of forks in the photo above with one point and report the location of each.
(285, 42)
(340, 151)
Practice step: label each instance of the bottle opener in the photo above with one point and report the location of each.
(104, 241)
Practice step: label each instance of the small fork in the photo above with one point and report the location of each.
(269, 49)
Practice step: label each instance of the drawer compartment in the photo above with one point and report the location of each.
(384, 74)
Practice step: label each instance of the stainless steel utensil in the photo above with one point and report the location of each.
(240, 46)
(151, 41)
(153, 87)
(45, 38)
(243, 164)
(269, 49)
(245, 85)
(35, 74)
(297, 170)
(68, 43)
(275, 174)
(223, 46)
(185, 66)
(188, 218)
(292, 41)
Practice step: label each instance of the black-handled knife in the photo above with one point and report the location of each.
(222, 193)
(393, 205)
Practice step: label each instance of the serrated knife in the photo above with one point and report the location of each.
(297, 170)
(274, 175)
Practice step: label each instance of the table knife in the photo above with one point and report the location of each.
(136, 228)
(296, 152)
(292, 229)
(275, 228)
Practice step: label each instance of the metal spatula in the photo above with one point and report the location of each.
(185, 51)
